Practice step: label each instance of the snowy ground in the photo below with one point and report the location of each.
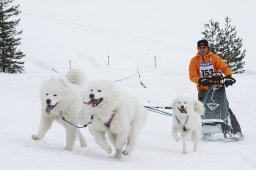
(87, 35)
(155, 148)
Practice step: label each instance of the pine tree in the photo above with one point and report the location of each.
(231, 47)
(224, 42)
(212, 34)
(10, 56)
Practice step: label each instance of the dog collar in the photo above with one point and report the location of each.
(184, 126)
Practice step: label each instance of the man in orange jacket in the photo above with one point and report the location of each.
(204, 64)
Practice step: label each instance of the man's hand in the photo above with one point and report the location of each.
(229, 81)
(204, 82)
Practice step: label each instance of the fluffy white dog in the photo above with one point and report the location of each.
(187, 120)
(117, 117)
(62, 95)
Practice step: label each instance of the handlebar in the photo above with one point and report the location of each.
(217, 79)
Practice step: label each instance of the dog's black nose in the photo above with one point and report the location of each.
(91, 96)
(182, 107)
(48, 101)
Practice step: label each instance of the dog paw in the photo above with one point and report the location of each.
(35, 137)
(68, 148)
(109, 150)
(118, 154)
(83, 145)
(125, 152)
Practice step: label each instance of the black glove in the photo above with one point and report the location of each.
(229, 81)
(204, 82)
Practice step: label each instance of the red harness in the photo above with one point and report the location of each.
(107, 124)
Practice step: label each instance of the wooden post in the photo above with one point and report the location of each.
(69, 64)
(155, 60)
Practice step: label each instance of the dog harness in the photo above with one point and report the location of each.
(184, 126)
(107, 124)
(206, 69)
(63, 118)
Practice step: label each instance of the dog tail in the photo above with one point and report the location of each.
(76, 76)
(199, 107)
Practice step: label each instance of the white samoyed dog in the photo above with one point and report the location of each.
(117, 117)
(62, 95)
(187, 120)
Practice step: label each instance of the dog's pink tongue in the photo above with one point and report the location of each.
(48, 109)
(88, 103)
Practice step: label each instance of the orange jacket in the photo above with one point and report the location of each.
(217, 62)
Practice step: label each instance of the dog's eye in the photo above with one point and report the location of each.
(99, 90)
(178, 102)
(91, 89)
(46, 94)
(185, 102)
(55, 95)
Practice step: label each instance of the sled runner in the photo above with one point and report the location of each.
(218, 117)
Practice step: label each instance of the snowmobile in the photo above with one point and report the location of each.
(218, 116)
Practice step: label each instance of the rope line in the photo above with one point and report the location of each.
(126, 77)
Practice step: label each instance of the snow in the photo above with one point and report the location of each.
(131, 33)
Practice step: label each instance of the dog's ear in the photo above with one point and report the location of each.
(199, 107)
(173, 103)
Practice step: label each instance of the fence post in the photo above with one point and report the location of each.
(155, 60)
(69, 64)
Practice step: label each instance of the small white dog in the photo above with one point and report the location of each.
(117, 117)
(62, 95)
(187, 120)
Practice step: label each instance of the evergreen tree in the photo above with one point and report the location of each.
(212, 34)
(224, 42)
(10, 56)
(231, 47)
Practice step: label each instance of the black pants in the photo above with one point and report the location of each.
(234, 123)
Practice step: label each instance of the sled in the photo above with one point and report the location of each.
(216, 119)
(159, 109)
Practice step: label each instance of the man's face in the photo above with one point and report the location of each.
(202, 50)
